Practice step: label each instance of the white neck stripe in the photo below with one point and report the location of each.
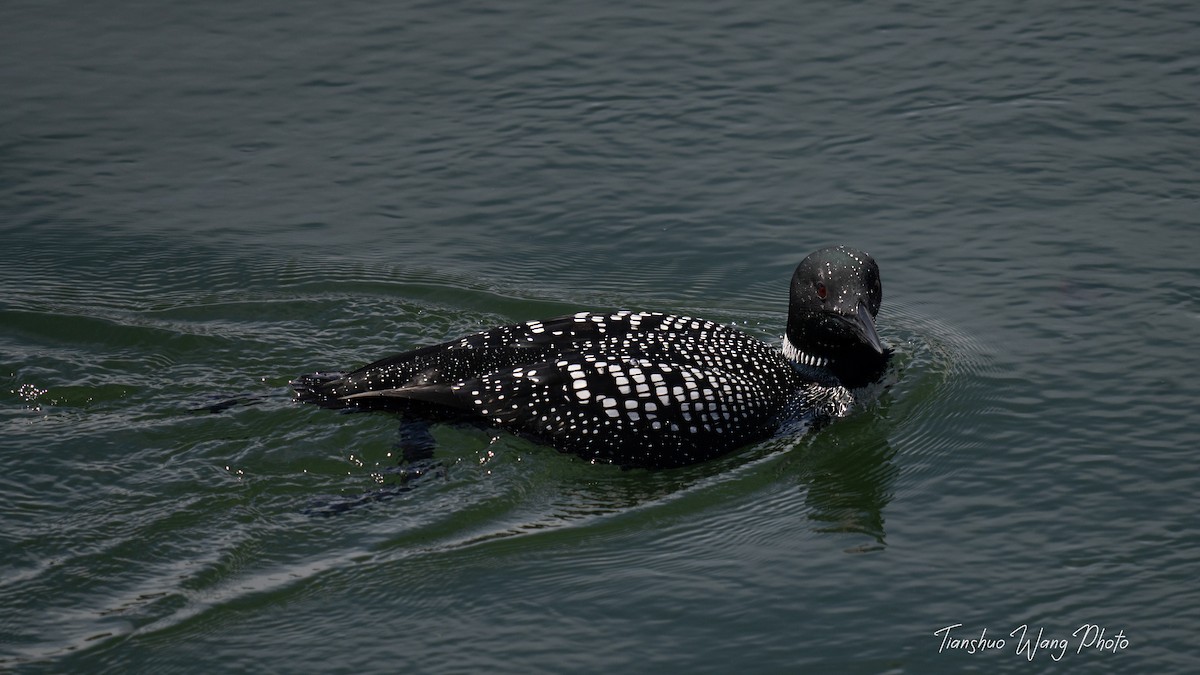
(793, 353)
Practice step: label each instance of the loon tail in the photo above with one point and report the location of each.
(320, 388)
(341, 390)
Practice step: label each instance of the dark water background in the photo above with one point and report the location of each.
(199, 201)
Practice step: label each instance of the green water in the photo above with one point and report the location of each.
(198, 203)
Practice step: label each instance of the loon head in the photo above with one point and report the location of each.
(835, 296)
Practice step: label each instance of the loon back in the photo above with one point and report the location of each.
(637, 389)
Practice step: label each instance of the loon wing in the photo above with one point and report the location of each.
(621, 408)
(636, 389)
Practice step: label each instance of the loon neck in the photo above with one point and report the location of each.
(851, 370)
(814, 367)
(797, 356)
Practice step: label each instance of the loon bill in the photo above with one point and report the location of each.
(643, 388)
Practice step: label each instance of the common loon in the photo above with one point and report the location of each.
(643, 389)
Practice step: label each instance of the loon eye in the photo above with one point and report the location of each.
(821, 290)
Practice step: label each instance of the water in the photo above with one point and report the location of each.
(199, 202)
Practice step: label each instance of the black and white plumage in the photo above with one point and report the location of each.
(643, 389)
